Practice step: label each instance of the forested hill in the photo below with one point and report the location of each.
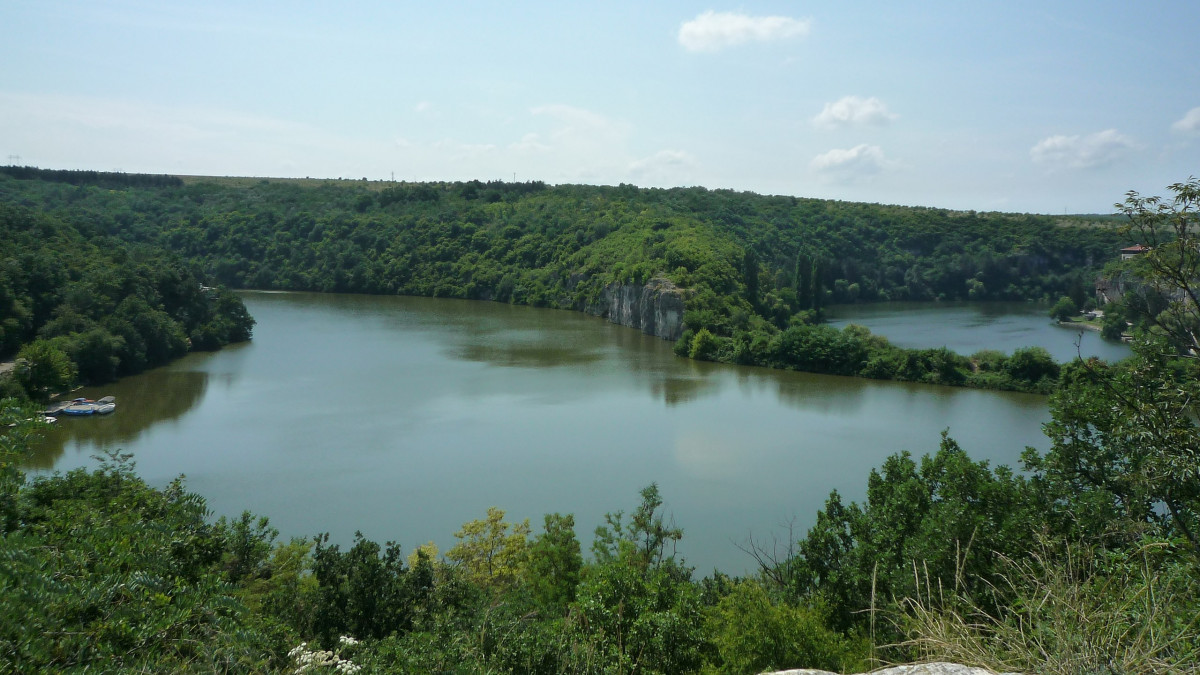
(751, 266)
(532, 243)
(77, 305)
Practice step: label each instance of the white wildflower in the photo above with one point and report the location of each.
(307, 660)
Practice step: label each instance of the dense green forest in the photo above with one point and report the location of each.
(755, 270)
(1086, 560)
(77, 305)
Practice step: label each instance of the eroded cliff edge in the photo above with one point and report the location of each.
(655, 308)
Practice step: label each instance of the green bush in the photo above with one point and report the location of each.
(752, 634)
(1064, 309)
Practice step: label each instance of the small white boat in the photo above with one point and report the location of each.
(106, 405)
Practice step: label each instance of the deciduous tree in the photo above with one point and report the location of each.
(492, 551)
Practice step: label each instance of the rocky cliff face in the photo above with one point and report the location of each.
(656, 308)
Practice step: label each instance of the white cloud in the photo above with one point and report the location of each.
(579, 124)
(1189, 124)
(854, 110)
(713, 31)
(857, 162)
(145, 119)
(663, 168)
(530, 142)
(561, 143)
(1082, 152)
(103, 133)
(459, 151)
(572, 144)
(423, 106)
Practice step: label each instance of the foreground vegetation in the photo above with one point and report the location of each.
(1087, 560)
(755, 271)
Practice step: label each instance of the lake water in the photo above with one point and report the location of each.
(405, 417)
(969, 327)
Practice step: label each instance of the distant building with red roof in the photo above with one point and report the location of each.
(1133, 251)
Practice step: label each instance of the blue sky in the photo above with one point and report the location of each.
(1013, 106)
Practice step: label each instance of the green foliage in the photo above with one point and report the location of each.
(1032, 365)
(683, 346)
(248, 543)
(1064, 309)
(650, 540)
(638, 609)
(281, 589)
(491, 552)
(638, 619)
(746, 266)
(947, 514)
(106, 179)
(555, 564)
(18, 428)
(1018, 591)
(111, 308)
(365, 592)
(703, 346)
(753, 634)
(95, 354)
(819, 349)
(104, 569)
(1114, 325)
(43, 369)
(1125, 449)
(1167, 274)
(99, 571)
(227, 322)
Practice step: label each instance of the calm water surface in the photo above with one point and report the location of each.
(405, 417)
(969, 327)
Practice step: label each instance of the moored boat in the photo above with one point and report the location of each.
(80, 406)
(106, 405)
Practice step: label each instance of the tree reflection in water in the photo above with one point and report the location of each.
(157, 396)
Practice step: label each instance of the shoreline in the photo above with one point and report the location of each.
(1080, 325)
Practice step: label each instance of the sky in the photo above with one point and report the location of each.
(1045, 107)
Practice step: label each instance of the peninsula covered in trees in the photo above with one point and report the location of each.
(755, 272)
(78, 305)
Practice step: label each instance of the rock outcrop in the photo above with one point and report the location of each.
(914, 669)
(655, 309)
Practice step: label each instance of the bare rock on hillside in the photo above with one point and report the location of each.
(655, 309)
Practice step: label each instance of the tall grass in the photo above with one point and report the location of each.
(1066, 609)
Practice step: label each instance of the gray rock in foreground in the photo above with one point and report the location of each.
(914, 669)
